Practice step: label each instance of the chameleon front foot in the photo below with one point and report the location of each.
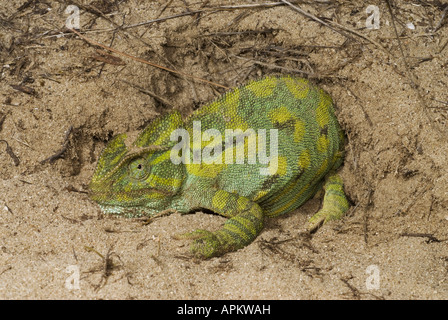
(322, 217)
(334, 205)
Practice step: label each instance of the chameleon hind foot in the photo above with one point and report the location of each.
(205, 244)
(246, 219)
(334, 205)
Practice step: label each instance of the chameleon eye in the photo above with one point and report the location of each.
(138, 169)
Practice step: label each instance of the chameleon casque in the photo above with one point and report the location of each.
(138, 176)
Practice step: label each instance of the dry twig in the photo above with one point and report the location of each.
(61, 151)
(145, 61)
(9, 151)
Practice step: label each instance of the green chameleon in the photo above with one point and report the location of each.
(161, 170)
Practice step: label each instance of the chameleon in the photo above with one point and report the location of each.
(160, 170)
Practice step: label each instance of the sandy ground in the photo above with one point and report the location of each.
(61, 101)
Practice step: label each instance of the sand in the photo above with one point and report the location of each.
(61, 101)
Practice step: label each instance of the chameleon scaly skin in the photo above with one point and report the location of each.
(138, 177)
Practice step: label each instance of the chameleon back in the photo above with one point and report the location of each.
(310, 142)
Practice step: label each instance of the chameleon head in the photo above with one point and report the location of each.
(134, 180)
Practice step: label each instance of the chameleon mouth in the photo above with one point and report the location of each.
(127, 198)
(128, 211)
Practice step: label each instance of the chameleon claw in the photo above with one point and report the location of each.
(324, 215)
(320, 218)
(314, 223)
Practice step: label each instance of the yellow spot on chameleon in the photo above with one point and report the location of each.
(299, 130)
(298, 87)
(237, 122)
(337, 156)
(236, 230)
(229, 101)
(282, 167)
(289, 203)
(220, 198)
(260, 194)
(127, 190)
(229, 108)
(157, 182)
(205, 170)
(210, 108)
(322, 112)
(323, 143)
(263, 88)
(162, 158)
(248, 155)
(248, 224)
(280, 115)
(122, 197)
(155, 195)
(304, 159)
(242, 203)
(322, 168)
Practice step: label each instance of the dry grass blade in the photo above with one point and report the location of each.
(108, 58)
(335, 26)
(189, 13)
(442, 19)
(150, 93)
